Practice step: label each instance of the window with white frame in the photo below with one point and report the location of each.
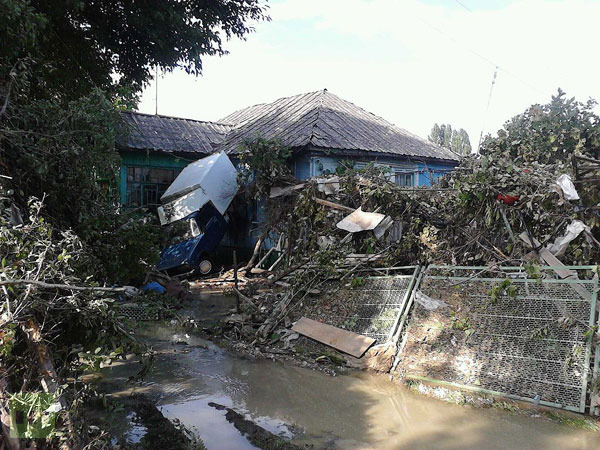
(404, 178)
(400, 175)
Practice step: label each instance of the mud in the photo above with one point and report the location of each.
(309, 408)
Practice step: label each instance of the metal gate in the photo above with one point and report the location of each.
(526, 338)
(373, 305)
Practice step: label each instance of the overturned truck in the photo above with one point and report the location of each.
(200, 195)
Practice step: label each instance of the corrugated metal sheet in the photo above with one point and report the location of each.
(170, 134)
(324, 120)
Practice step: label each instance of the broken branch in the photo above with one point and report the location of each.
(70, 287)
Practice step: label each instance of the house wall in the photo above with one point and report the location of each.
(424, 172)
(305, 166)
(310, 165)
(429, 172)
(135, 158)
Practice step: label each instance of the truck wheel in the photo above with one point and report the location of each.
(205, 266)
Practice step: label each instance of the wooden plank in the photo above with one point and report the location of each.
(288, 190)
(553, 261)
(333, 205)
(548, 257)
(342, 340)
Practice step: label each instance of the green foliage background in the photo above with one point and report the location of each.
(456, 140)
(67, 69)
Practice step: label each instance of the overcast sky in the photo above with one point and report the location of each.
(412, 62)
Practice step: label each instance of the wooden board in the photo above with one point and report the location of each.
(320, 201)
(342, 340)
(553, 261)
(549, 258)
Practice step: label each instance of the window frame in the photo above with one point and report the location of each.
(142, 188)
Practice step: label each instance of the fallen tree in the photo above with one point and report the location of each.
(507, 206)
(64, 239)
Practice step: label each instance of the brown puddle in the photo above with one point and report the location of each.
(361, 410)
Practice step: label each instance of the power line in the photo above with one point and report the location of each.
(526, 83)
(463, 5)
(487, 108)
(479, 55)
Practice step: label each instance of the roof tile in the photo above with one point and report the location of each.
(324, 120)
(170, 134)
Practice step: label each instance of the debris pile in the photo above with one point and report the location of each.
(510, 206)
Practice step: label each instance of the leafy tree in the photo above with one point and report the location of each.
(263, 163)
(549, 133)
(66, 68)
(441, 135)
(455, 140)
(513, 181)
(70, 45)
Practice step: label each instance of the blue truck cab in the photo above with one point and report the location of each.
(196, 253)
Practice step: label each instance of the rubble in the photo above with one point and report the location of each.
(334, 232)
(316, 256)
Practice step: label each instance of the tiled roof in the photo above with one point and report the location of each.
(323, 120)
(317, 119)
(170, 134)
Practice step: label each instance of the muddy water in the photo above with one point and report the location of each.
(357, 411)
(360, 411)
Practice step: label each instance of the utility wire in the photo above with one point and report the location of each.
(496, 66)
(463, 5)
(479, 55)
(487, 108)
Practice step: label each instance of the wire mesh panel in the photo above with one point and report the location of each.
(528, 338)
(137, 312)
(371, 307)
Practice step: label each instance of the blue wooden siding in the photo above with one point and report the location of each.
(424, 173)
(429, 172)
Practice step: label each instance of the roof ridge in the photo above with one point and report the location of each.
(319, 108)
(393, 125)
(265, 104)
(163, 116)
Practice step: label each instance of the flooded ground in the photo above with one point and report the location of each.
(351, 411)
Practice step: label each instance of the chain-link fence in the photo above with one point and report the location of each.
(371, 306)
(137, 312)
(530, 338)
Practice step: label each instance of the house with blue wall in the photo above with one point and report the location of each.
(322, 129)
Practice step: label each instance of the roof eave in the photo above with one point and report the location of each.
(363, 152)
(179, 154)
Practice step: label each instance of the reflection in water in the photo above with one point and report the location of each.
(354, 411)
